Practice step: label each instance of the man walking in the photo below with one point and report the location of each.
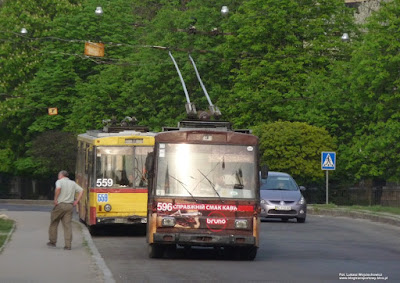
(64, 201)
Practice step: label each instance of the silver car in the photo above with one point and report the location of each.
(281, 198)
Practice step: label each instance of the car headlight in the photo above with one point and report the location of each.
(302, 200)
(241, 224)
(168, 222)
(263, 201)
(107, 207)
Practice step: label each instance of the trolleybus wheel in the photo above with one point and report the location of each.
(93, 230)
(156, 251)
(244, 253)
(250, 253)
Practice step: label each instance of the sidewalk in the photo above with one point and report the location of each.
(26, 257)
(381, 217)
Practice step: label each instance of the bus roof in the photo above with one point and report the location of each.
(127, 138)
(207, 137)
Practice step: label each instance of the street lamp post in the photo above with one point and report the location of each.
(99, 11)
(345, 37)
(224, 10)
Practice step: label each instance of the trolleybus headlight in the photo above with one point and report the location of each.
(241, 224)
(107, 207)
(168, 222)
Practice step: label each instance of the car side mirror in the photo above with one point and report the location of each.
(302, 188)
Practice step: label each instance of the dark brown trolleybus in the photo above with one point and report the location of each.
(204, 189)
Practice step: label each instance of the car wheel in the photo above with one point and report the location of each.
(301, 220)
(156, 251)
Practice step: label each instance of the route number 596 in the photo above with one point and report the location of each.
(163, 206)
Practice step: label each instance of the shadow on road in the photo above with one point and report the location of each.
(138, 230)
(277, 220)
(201, 253)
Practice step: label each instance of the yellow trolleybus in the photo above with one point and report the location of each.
(111, 169)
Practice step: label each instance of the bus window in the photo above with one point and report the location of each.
(80, 159)
(114, 167)
(141, 177)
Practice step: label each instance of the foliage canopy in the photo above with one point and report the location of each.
(268, 61)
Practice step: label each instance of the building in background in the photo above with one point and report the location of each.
(364, 8)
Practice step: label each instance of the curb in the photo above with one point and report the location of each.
(100, 263)
(8, 237)
(388, 219)
(26, 202)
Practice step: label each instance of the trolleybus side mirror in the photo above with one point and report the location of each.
(264, 172)
(149, 164)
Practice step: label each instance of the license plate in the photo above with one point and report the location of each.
(119, 220)
(283, 207)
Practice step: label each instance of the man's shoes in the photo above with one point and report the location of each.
(67, 248)
(50, 244)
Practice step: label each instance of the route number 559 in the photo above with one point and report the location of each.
(104, 182)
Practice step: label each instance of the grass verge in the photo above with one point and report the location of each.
(2, 240)
(5, 227)
(373, 209)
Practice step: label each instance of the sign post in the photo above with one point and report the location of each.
(328, 162)
(327, 186)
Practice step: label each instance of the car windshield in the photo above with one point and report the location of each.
(284, 183)
(119, 167)
(197, 170)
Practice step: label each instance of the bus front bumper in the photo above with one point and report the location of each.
(122, 220)
(203, 239)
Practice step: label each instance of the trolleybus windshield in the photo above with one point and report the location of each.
(119, 167)
(198, 170)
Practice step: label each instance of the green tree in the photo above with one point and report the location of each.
(49, 153)
(144, 83)
(374, 87)
(295, 148)
(20, 59)
(278, 46)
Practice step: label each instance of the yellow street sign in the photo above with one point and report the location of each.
(52, 111)
(94, 49)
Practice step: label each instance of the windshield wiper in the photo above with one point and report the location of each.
(211, 184)
(239, 178)
(195, 187)
(183, 185)
(278, 189)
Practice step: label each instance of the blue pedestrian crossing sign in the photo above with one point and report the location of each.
(328, 160)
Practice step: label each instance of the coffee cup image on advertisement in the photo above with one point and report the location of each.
(184, 219)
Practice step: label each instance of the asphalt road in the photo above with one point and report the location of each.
(321, 250)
